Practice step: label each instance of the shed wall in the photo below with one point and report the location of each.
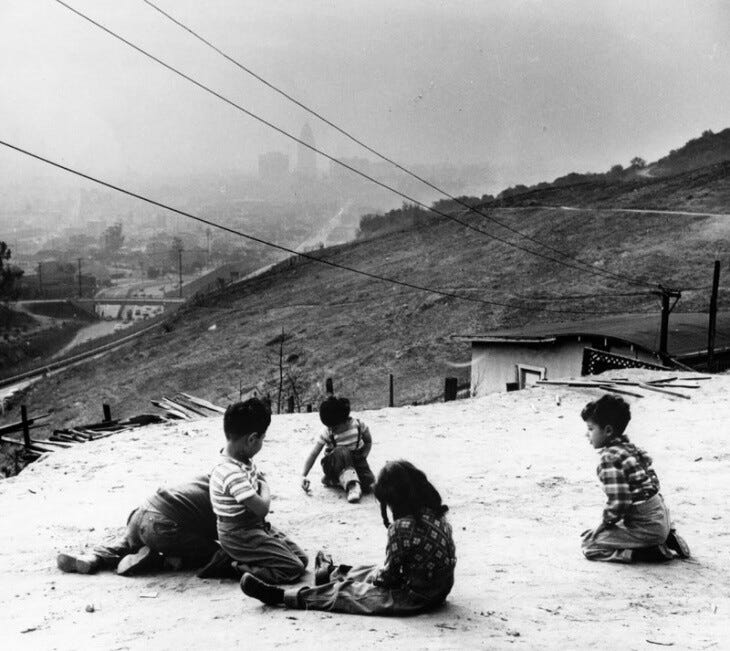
(493, 365)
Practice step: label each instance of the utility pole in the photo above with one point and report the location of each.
(179, 267)
(713, 318)
(79, 260)
(207, 234)
(40, 279)
(665, 293)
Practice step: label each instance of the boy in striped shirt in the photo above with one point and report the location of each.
(346, 442)
(241, 497)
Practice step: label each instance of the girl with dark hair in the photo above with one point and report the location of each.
(418, 573)
(346, 442)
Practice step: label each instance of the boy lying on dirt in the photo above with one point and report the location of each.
(174, 528)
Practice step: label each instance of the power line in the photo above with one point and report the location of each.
(280, 247)
(383, 157)
(585, 268)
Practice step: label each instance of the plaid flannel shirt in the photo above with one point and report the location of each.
(627, 477)
(417, 549)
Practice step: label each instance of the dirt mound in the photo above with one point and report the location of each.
(516, 471)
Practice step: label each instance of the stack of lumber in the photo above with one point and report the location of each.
(666, 386)
(182, 407)
(186, 407)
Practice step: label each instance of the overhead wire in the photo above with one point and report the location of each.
(586, 268)
(380, 155)
(280, 247)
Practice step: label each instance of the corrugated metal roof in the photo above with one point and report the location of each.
(687, 331)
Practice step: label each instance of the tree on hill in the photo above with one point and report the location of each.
(638, 162)
(8, 273)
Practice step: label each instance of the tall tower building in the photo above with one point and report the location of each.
(306, 158)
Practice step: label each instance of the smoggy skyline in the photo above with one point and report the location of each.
(534, 89)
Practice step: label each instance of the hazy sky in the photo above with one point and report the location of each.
(535, 88)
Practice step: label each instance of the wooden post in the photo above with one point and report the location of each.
(107, 412)
(664, 334)
(328, 386)
(179, 268)
(450, 389)
(309, 408)
(290, 405)
(26, 428)
(390, 400)
(666, 294)
(713, 318)
(79, 261)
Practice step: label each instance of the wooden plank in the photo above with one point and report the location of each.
(55, 444)
(171, 404)
(649, 387)
(176, 414)
(610, 387)
(18, 426)
(204, 403)
(42, 448)
(190, 406)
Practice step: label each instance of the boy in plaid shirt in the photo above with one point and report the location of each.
(635, 523)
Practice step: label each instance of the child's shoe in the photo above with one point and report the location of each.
(256, 588)
(654, 554)
(677, 544)
(354, 492)
(141, 561)
(81, 564)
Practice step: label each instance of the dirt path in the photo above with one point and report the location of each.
(515, 469)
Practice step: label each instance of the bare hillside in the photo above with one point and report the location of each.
(358, 330)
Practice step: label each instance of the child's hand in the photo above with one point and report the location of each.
(305, 485)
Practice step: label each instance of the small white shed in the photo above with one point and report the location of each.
(505, 360)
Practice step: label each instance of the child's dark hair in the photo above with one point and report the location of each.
(334, 410)
(406, 490)
(243, 418)
(608, 410)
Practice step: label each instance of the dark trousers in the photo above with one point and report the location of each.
(342, 465)
(351, 590)
(161, 534)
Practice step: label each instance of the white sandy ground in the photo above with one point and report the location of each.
(517, 472)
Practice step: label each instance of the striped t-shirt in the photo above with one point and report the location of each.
(232, 482)
(346, 435)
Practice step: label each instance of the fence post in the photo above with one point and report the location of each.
(26, 428)
(328, 386)
(309, 408)
(390, 398)
(107, 412)
(450, 389)
(290, 405)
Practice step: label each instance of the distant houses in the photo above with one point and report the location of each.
(510, 359)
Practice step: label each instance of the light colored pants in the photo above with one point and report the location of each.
(351, 590)
(263, 551)
(161, 534)
(645, 525)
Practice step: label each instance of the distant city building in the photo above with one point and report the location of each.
(273, 167)
(306, 158)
